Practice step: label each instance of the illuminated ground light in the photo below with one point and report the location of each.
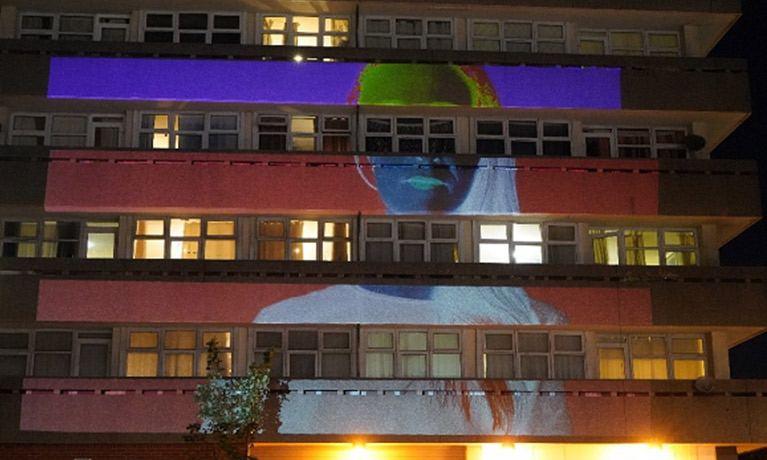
(506, 452)
(359, 452)
(591, 451)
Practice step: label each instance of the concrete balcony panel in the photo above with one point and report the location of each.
(428, 410)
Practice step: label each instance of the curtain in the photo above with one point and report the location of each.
(568, 367)
(446, 365)
(612, 363)
(379, 365)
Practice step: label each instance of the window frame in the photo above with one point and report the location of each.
(623, 342)
(545, 243)
(55, 32)
(653, 146)
(291, 37)
(503, 42)
(394, 37)
(46, 134)
(256, 238)
(397, 242)
(174, 133)
(606, 37)
(508, 139)
(662, 247)
(319, 135)
(398, 353)
(176, 30)
(284, 353)
(168, 239)
(395, 138)
(30, 352)
(516, 355)
(198, 352)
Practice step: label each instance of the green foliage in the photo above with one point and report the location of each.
(231, 408)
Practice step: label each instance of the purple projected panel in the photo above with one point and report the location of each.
(333, 83)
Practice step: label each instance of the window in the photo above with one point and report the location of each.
(412, 354)
(175, 352)
(50, 238)
(629, 42)
(282, 238)
(628, 246)
(526, 243)
(192, 27)
(651, 357)
(55, 353)
(522, 137)
(184, 238)
(635, 142)
(66, 130)
(303, 133)
(302, 30)
(410, 135)
(189, 131)
(518, 36)
(100, 27)
(406, 240)
(306, 353)
(408, 33)
(532, 355)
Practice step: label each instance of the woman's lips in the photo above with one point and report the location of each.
(425, 182)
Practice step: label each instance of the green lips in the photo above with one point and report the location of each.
(424, 183)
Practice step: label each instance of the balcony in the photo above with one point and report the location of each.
(460, 411)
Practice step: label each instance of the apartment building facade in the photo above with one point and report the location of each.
(467, 229)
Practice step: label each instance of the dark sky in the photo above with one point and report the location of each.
(748, 39)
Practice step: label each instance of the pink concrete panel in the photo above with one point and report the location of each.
(599, 306)
(159, 302)
(199, 302)
(192, 182)
(129, 406)
(582, 186)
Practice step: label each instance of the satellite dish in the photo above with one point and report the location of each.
(694, 142)
(705, 384)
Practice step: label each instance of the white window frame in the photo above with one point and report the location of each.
(422, 38)
(46, 134)
(176, 30)
(424, 138)
(31, 353)
(503, 43)
(653, 146)
(55, 33)
(397, 242)
(540, 140)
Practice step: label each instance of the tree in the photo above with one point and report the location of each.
(231, 408)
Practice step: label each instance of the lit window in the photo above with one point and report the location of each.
(281, 238)
(46, 238)
(625, 246)
(526, 243)
(184, 238)
(656, 357)
(189, 131)
(175, 352)
(412, 354)
(304, 30)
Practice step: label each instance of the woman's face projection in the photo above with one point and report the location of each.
(423, 185)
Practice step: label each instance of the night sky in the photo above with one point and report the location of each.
(747, 40)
